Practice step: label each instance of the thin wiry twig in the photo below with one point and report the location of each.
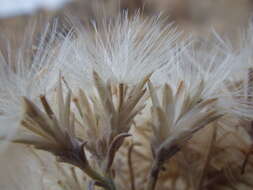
(245, 161)
(130, 165)
(114, 146)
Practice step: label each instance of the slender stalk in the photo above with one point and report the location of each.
(130, 166)
(250, 84)
(163, 154)
(111, 185)
(153, 176)
(106, 182)
(246, 160)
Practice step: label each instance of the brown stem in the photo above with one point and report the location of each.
(153, 176)
(78, 158)
(164, 154)
(106, 183)
(246, 160)
(130, 166)
(250, 84)
(114, 146)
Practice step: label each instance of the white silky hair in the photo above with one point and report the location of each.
(217, 65)
(124, 50)
(195, 64)
(236, 97)
(29, 75)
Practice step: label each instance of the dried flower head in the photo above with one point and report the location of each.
(108, 116)
(174, 120)
(197, 119)
(51, 132)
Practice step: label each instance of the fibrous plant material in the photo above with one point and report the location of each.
(174, 120)
(130, 109)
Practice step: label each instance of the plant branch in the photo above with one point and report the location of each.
(163, 155)
(130, 166)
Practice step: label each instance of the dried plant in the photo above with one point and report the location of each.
(174, 121)
(192, 128)
(107, 122)
(109, 116)
(56, 134)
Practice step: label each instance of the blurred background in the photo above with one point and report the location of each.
(198, 17)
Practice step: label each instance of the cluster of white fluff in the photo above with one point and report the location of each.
(30, 73)
(124, 51)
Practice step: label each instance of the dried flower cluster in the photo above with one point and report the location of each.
(128, 106)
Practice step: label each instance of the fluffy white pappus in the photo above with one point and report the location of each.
(194, 65)
(124, 50)
(235, 103)
(30, 73)
(238, 94)
(208, 69)
(242, 51)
